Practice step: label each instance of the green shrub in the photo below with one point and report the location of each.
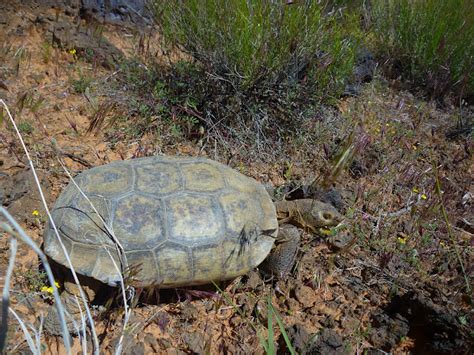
(81, 84)
(430, 42)
(262, 43)
(25, 127)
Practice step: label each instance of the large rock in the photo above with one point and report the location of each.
(19, 195)
(118, 11)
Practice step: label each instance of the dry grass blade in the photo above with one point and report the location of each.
(20, 234)
(83, 328)
(35, 346)
(27, 334)
(6, 293)
(98, 119)
(355, 144)
(450, 231)
(53, 225)
(37, 334)
(71, 267)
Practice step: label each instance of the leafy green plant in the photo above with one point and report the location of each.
(81, 84)
(428, 41)
(25, 127)
(262, 65)
(35, 279)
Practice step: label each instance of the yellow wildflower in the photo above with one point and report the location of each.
(402, 238)
(49, 289)
(35, 213)
(325, 231)
(423, 197)
(72, 51)
(415, 190)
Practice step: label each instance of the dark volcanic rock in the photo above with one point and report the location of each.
(328, 342)
(86, 43)
(363, 72)
(117, 11)
(415, 316)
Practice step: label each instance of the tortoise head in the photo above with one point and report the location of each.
(320, 214)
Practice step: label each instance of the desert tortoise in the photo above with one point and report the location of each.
(179, 222)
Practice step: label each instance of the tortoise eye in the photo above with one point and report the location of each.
(327, 215)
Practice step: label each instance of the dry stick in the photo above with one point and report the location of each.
(53, 225)
(5, 295)
(20, 234)
(120, 251)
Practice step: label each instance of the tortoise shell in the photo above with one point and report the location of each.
(179, 221)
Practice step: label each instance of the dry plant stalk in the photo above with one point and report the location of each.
(66, 336)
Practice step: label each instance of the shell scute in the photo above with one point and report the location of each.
(207, 262)
(176, 263)
(109, 180)
(194, 219)
(142, 268)
(107, 266)
(202, 177)
(82, 224)
(138, 221)
(241, 211)
(158, 178)
(54, 250)
(84, 257)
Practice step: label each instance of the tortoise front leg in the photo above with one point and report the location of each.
(282, 257)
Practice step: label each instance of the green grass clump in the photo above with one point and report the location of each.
(262, 43)
(429, 42)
